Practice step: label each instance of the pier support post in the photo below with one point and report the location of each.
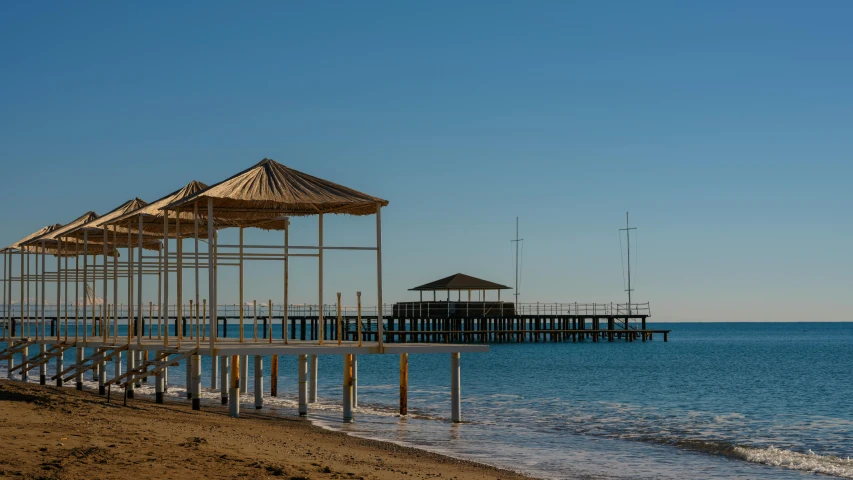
(355, 381)
(404, 384)
(59, 367)
(347, 390)
(244, 374)
(195, 363)
(102, 373)
(274, 376)
(312, 389)
(223, 378)
(455, 388)
(234, 390)
(259, 382)
(42, 351)
(158, 382)
(303, 384)
(139, 360)
(214, 371)
(131, 364)
(78, 363)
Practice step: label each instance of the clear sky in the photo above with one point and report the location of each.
(724, 127)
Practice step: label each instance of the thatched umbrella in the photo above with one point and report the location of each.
(19, 245)
(93, 231)
(152, 216)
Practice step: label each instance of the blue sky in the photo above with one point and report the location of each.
(724, 127)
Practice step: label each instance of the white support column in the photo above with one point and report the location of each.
(60, 366)
(131, 364)
(244, 374)
(302, 370)
(78, 363)
(214, 371)
(284, 310)
(10, 364)
(25, 357)
(211, 287)
(165, 305)
(115, 284)
(158, 381)
(189, 373)
(259, 382)
(223, 379)
(196, 381)
(102, 373)
(139, 289)
(42, 370)
(347, 387)
(321, 322)
(85, 281)
(195, 266)
(117, 364)
(234, 390)
(105, 321)
(56, 323)
(455, 388)
(379, 312)
(312, 389)
(355, 381)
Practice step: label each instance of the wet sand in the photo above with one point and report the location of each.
(50, 432)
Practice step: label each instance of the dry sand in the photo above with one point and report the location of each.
(50, 432)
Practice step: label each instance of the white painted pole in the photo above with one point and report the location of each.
(179, 245)
(115, 285)
(285, 310)
(302, 370)
(25, 360)
(197, 299)
(244, 374)
(347, 390)
(158, 381)
(379, 276)
(355, 381)
(85, 280)
(42, 346)
(321, 322)
(312, 388)
(223, 378)
(159, 290)
(240, 292)
(165, 305)
(105, 321)
(139, 289)
(259, 382)
(196, 381)
(211, 286)
(234, 390)
(455, 388)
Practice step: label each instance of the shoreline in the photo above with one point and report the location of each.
(59, 432)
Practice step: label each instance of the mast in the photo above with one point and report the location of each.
(628, 229)
(516, 241)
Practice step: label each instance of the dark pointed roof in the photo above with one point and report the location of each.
(460, 281)
(270, 190)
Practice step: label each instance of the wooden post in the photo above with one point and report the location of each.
(347, 390)
(285, 312)
(312, 388)
(404, 384)
(139, 288)
(455, 388)
(379, 327)
(158, 380)
(355, 381)
(303, 384)
(274, 376)
(179, 245)
(234, 390)
(211, 279)
(244, 374)
(255, 314)
(241, 284)
(259, 382)
(85, 280)
(358, 327)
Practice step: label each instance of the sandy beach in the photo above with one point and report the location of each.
(61, 433)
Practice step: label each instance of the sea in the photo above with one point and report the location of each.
(718, 400)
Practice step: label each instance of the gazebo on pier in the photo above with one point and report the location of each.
(459, 283)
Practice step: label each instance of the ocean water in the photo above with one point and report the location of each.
(723, 400)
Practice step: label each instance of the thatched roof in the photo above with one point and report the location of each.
(461, 281)
(264, 194)
(152, 216)
(51, 238)
(19, 245)
(94, 229)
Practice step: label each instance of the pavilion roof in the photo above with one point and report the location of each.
(460, 281)
(51, 239)
(152, 216)
(19, 245)
(263, 195)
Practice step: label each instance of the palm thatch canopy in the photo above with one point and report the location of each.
(152, 216)
(94, 230)
(460, 281)
(51, 239)
(19, 245)
(263, 195)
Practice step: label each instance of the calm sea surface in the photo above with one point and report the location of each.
(740, 400)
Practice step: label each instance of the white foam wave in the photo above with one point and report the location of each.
(809, 462)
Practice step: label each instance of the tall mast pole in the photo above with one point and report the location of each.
(628, 229)
(516, 241)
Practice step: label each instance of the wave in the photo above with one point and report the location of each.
(809, 462)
